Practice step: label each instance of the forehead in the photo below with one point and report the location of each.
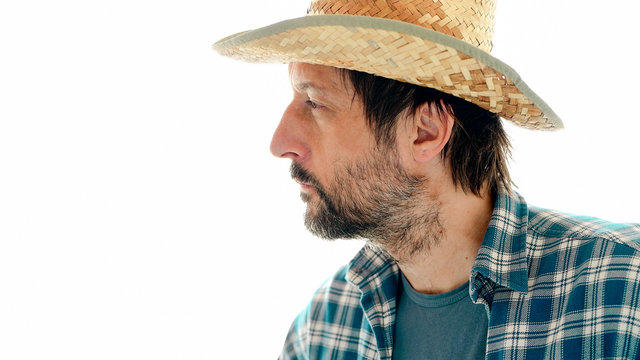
(316, 78)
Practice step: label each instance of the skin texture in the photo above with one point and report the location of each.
(401, 198)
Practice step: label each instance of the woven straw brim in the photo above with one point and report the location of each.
(399, 51)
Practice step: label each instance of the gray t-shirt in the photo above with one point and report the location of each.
(444, 326)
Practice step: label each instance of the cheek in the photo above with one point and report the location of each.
(349, 143)
(340, 142)
(325, 168)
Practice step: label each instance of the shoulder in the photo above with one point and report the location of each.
(579, 256)
(334, 323)
(584, 273)
(306, 334)
(331, 322)
(549, 225)
(336, 292)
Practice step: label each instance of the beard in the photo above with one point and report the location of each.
(373, 199)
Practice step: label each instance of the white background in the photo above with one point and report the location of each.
(141, 214)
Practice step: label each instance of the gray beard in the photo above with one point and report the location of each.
(376, 200)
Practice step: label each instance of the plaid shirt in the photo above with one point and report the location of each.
(554, 286)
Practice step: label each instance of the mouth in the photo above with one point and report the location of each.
(304, 186)
(308, 184)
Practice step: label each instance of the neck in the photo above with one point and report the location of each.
(445, 261)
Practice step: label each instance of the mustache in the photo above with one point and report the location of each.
(300, 174)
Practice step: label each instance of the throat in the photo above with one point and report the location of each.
(438, 272)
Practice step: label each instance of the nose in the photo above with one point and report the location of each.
(288, 139)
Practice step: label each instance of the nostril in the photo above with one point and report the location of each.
(291, 156)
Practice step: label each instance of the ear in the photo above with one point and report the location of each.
(432, 130)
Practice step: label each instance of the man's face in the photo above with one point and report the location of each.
(352, 187)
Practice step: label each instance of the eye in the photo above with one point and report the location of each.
(312, 104)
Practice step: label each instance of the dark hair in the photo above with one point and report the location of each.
(478, 149)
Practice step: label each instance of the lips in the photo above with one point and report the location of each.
(304, 186)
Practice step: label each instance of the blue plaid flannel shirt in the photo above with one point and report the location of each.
(554, 286)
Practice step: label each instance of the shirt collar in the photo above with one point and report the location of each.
(502, 257)
(370, 263)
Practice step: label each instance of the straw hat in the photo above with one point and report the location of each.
(442, 44)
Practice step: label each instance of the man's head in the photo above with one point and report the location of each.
(373, 155)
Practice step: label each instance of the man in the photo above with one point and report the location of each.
(394, 136)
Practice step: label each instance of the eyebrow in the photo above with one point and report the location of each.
(309, 85)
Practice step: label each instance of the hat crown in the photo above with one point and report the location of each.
(468, 20)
